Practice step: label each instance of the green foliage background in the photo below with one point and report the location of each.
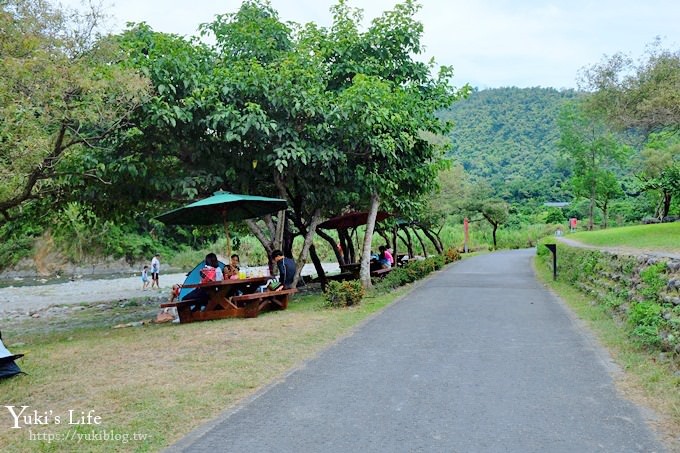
(508, 137)
(347, 107)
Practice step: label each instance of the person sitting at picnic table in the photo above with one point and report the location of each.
(382, 258)
(388, 254)
(211, 272)
(287, 269)
(231, 270)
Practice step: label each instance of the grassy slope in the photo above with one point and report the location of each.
(659, 237)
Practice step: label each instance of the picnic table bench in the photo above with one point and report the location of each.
(351, 272)
(230, 299)
(355, 268)
(380, 272)
(333, 277)
(341, 277)
(350, 267)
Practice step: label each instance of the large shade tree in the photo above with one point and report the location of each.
(288, 150)
(62, 94)
(326, 118)
(247, 114)
(643, 96)
(387, 103)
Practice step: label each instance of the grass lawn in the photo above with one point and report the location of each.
(649, 380)
(658, 237)
(156, 382)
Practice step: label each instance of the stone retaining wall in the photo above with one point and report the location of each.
(641, 291)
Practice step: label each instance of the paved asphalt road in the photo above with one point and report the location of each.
(478, 358)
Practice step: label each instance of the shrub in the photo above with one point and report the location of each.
(11, 251)
(17, 239)
(610, 301)
(73, 234)
(414, 270)
(646, 320)
(653, 281)
(555, 215)
(397, 277)
(439, 261)
(344, 294)
(451, 255)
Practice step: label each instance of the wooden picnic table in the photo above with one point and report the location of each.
(231, 299)
(351, 267)
(353, 270)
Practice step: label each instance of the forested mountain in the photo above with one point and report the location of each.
(508, 136)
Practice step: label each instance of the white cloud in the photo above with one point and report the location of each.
(488, 42)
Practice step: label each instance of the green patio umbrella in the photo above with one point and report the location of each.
(222, 207)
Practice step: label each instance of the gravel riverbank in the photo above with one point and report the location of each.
(27, 300)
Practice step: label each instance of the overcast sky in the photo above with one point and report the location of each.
(490, 43)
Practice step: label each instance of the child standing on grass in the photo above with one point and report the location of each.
(145, 278)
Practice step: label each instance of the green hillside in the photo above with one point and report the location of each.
(508, 137)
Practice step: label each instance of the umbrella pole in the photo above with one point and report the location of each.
(226, 232)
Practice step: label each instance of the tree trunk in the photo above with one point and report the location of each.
(495, 228)
(271, 238)
(591, 207)
(667, 197)
(395, 238)
(354, 244)
(334, 245)
(347, 246)
(318, 266)
(280, 227)
(593, 191)
(409, 242)
(343, 244)
(285, 234)
(436, 241)
(422, 244)
(365, 270)
(302, 258)
(287, 242)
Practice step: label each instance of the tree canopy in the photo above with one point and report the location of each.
(287, 110)
(593, 151)
(643, 95)
(61, 95)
